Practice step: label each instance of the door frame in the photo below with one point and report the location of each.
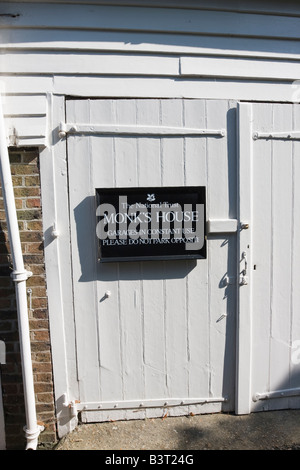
(244, 255)
(54, 181)
(58, 260)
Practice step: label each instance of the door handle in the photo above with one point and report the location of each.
(244, 278)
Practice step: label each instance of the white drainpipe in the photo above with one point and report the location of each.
(19, 276)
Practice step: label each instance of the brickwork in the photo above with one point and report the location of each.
(26, 181)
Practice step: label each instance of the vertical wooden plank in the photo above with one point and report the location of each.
(218, 201)
(82, 223)
(130, 292)
(197, 277)
(103, 175)
(195, 147)
(217, 164)
(102, 148)
(262, 252)
(110, 352)
(53, 168)
(172, 147)
(154, 330)
(227, 246)
(152, 295)
(244, 323)
(281, 255)
(149, 164)
(131, 317)
(175, 286)
(126, 146)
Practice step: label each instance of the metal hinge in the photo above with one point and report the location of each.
(288, 135)
(19, 276)
(76, 406)
(289, 392)
(121, 129)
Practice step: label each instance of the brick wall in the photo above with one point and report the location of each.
(26, 181)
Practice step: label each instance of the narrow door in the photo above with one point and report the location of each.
(152, 337)
(269, 251)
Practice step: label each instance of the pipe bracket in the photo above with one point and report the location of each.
(18, 276)
(32, 436)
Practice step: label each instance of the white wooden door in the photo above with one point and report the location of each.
(269, 249)
(163, 341)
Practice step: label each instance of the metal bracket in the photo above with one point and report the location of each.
(222, 226)
(289, 392)
(54, 232)
(62, 130)
(229, 280)
(288, 135)
(76, 406)
(72, 405)
(121, 129)
(29, 292)
(18, 276)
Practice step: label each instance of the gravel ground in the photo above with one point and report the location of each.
(272, 430)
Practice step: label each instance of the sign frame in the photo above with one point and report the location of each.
(174, 211)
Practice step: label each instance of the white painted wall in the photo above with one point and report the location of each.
(200, 51)
(248, 52)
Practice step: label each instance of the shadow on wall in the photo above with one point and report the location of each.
(85, 219)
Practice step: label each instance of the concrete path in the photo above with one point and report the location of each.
(259, 431)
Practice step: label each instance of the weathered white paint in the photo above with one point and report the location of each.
(141, 42)
(270, 315)
(240, 68)
(107, 18)
(53, 165)
(66, 62)
(222, 226)
(157, 336)
(25, 119)
(191, 61)
(56, 63)
(244, 248)
(125, 129)
(89, 87)
(121, 51)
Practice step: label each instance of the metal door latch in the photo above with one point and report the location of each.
(244, 281)
(244, 278)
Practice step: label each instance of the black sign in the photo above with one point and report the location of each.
(151, 223)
